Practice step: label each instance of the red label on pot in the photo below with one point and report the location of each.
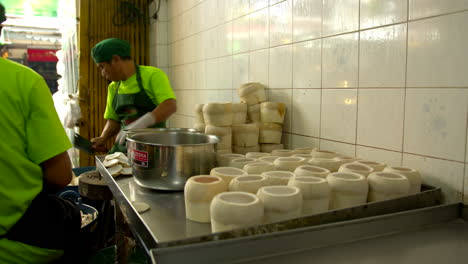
(140, 157)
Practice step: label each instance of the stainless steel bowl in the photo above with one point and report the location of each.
(172, 129)
(164, 160)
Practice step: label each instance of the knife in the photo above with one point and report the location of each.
(83, 144)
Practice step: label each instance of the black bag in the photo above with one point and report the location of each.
(50, 222)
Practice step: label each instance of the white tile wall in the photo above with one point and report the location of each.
(307, 64)
(306, 112)
(383, 44)
(258, 61)
(340, 61)
(380, 118)
(379, 13)
(437, 54)
(259, 30)
(340, 16)
(383, 80)
(435, 122)
(446, 174)
(280, 68)
(281, 23)
(307, 19)
(338, 120)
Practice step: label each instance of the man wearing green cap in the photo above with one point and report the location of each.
(35, 225)
(138, 97)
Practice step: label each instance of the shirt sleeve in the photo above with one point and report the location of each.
(110, 112)
(45, 135)
(161, 87)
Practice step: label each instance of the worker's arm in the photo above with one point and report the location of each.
(111, 129)
(161, 113)
(164, 110)
(57, 171)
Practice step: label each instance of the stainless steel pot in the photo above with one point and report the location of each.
(165, 159)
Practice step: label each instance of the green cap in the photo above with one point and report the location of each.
(2, 14)
(104, 50)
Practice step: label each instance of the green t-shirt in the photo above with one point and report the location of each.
(155, 83)
(31, 133)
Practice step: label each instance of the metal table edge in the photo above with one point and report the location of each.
(136, 223)
(447, 212)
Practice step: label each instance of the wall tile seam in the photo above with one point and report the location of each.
(181, 13)
(358, 77)
(438, 15)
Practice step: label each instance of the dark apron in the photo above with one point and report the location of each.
(50, 222)
(130, 107)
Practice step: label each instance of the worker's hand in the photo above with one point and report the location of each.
(145, 121)
(99, 144)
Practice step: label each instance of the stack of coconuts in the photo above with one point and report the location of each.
(253, 125)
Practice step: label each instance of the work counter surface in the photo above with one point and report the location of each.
(427, 233)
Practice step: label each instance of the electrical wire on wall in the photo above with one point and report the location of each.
(126, 13)
(155, 15)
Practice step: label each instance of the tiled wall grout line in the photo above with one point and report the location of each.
(358, 72)
(406, 84)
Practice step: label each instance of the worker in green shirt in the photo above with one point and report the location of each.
(137, 97)
(35, 226)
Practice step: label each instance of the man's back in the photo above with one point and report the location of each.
(30, 133)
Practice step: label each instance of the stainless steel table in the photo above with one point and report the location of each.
(168, 237)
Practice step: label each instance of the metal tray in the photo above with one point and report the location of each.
(164, 226)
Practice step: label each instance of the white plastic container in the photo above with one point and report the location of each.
(324, 154)
(245, 135)
(268, 148)
(271, 159)
(272, 112)
(256, 155)
(224, 135)
(227, 174)
(233, 210)
(225, 159)
(270, 133)
(305, 156)
(253, 113)
(200, 127)
(288, 163)
(413, 176)
(252, 93)
(278, 177)
(258, 167)
(223, 151)
(282, 152)
(309, 170)
(329, 164)
(377, 166)
(387, 185)
(281, 202)
(239, 113)
(218, 114)
(248, 183)
(198, 193)
(315, 194)
(362, 169)
(344, 159)
(245, 150)
(304, 150)
(347, 189)
(241, 162)
(199, 113)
